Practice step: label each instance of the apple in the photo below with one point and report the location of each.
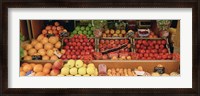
(116, 41)
(85, 40)
(66, 47)
(83, 44)
(107, 31)
(81, 47)
(107, 41)
(65, 40)
(71, 47)
(149, 58)
(114, 45)
(147, 51)
(76, 47)
(154, 42)
(82, 52)
(156, 46)
(159, 42)
(69, 56)
(146, 55)
(137, 46)
(112, 41)
(126, 41)
(74, 57)
(122, 41)
(163, 42)
(90, 47)
(162, 46)
(81, 40)
(151, 55)
(139, 41)
(77, 40)
(158, 57)
(88, 43)
(102, 41)
(164, 50)
(63, 57)
(85, 48)
(144, 42)
(142, 51)
(78, 44)
(104, 35)
(92, 40)
(105, 57)
(74, 44)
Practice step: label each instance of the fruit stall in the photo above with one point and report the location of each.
(99, 48)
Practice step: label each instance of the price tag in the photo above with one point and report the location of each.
(57, 53)
(141, 73)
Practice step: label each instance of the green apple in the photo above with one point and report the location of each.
(77, 28)
(84, 32)
(90, 70)
(92, 28)
(80, 32)
(73, 71)
(79, 63)
(65, 71)
(82, 71)
(89, 32)
(87, 28)
(82, 28)
(74, 32)
(90, 25)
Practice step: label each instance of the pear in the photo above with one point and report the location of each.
(91, 65)
(77, 75)
(96, 72)
(60, 75)
(70, 63)
(65, 71)
(86, 75)
(90, 70)
(73, 71)
(79, 63)
(85, 65)
(82, 71)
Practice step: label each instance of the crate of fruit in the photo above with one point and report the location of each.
(152, 49)
(114, 48)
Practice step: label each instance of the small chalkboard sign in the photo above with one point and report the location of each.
(160, 70)
(36, 57)
(64, 34)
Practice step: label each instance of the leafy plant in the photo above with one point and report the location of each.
(21, 49)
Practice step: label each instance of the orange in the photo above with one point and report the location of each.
(32, 64)
(38, 68)
(23, 64)
(22, 73)
(46, 70)
(40, 74)
(48, 65)
(27, 68)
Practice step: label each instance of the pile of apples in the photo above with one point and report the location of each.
(78, 68)
(77, 47)
(114, 43)
(114, 33)
(152, 50)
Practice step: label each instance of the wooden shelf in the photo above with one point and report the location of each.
(148, 65)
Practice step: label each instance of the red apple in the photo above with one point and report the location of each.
(156, 46)
(137, 46)
(105, 57)
(163, 42)
(66, 47)
(151, 55)
(85, 48)
(107, 41)
(76, 47)
(83, 44)
(102, 41)
(69, 56)
(146, 55)
(164, 50)
(116, 41)
(122, 41)
(65, 40)
(71, 47)
(142, 51)
(154, 42)
(74, 57)
(81, 47)
(162, 46)
(126, 41)
(139, 41)
(74, 44)
(159, 42)
(85, 40)
(147, 51)
(144, 42)
(88, 43)
(81, 40)
(112, 41)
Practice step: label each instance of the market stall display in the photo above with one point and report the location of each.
(57, 52)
